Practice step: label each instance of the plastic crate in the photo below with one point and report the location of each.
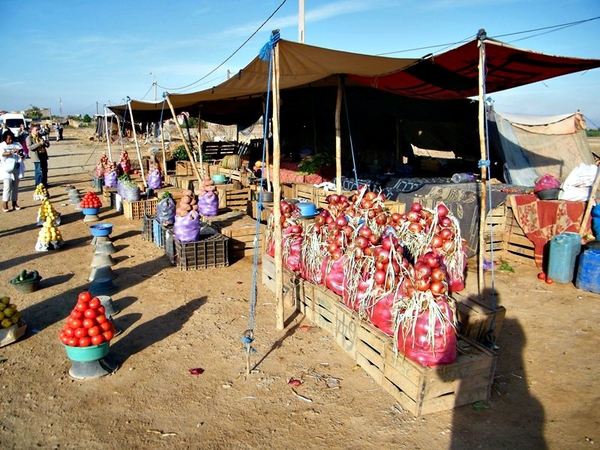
(160, 232)
(210, 252)
(148, 228)
(139, 209)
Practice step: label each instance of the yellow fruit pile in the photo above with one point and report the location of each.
(49, 233)
(9, 315)
(40, 191)
(47, 211)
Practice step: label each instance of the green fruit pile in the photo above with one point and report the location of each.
(9, 315)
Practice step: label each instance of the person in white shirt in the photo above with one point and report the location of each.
(10, 149)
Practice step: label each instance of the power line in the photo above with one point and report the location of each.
(549, 29)
(230, 56)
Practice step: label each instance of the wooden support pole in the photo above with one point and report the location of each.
(338, 138)
(484, 169)
(277, 235)
(107, 132)
(200, 157)
(137, 147)
(185, 144)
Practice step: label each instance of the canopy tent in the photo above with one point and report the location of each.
(480, 67)
(422, 102)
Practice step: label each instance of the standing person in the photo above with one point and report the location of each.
(60, 131)
(37, 148)
(22, 138)
(11, 150)
(57, 132)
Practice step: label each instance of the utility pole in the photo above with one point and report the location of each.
(60, 106)
(301, 21)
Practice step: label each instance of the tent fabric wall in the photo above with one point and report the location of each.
(533, 147)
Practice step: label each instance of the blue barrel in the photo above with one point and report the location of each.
(564, 250)
(588, 273)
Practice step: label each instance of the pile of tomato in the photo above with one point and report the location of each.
(90, 200)
(87, 324)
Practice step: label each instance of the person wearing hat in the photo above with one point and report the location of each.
(257, 169)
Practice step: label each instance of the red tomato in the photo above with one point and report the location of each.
(90, 314)
(61, 333)
(80, 306)
(94, 303)
(549, 280)
(101, 310)
(108, 335)
(76, 323)
(97, 340)
(70, 332)
(65, 340)
(85, 342)
(89, 323)
(72, 342)
(80, 332)
(100, 318)
(106, 326)
(541, 276)
(76, 314)
(85, 297)
(94, 331)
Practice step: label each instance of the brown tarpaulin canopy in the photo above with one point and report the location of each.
(450, 75)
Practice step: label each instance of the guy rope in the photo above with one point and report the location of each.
(248, 336)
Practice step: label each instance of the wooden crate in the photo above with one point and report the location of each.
(303, 191)
(395, 207)
(421, 390)
(264, 214)
(320, 196)
(107, 192)
(184, 168)
(183, 182)
(515, 244)
(232, 174)
(139, 209)
(287, 190)
(237, 199)
(241, 231)
(475, 318)
(493, 232)
(210, 252)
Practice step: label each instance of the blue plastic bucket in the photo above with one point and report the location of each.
(588, 273)
(564, 250)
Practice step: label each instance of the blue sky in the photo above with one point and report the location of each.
(78, 56)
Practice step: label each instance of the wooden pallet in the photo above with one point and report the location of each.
(420, 390)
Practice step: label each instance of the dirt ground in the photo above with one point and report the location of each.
(545, 393)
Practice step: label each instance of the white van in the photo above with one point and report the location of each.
(13, 121)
